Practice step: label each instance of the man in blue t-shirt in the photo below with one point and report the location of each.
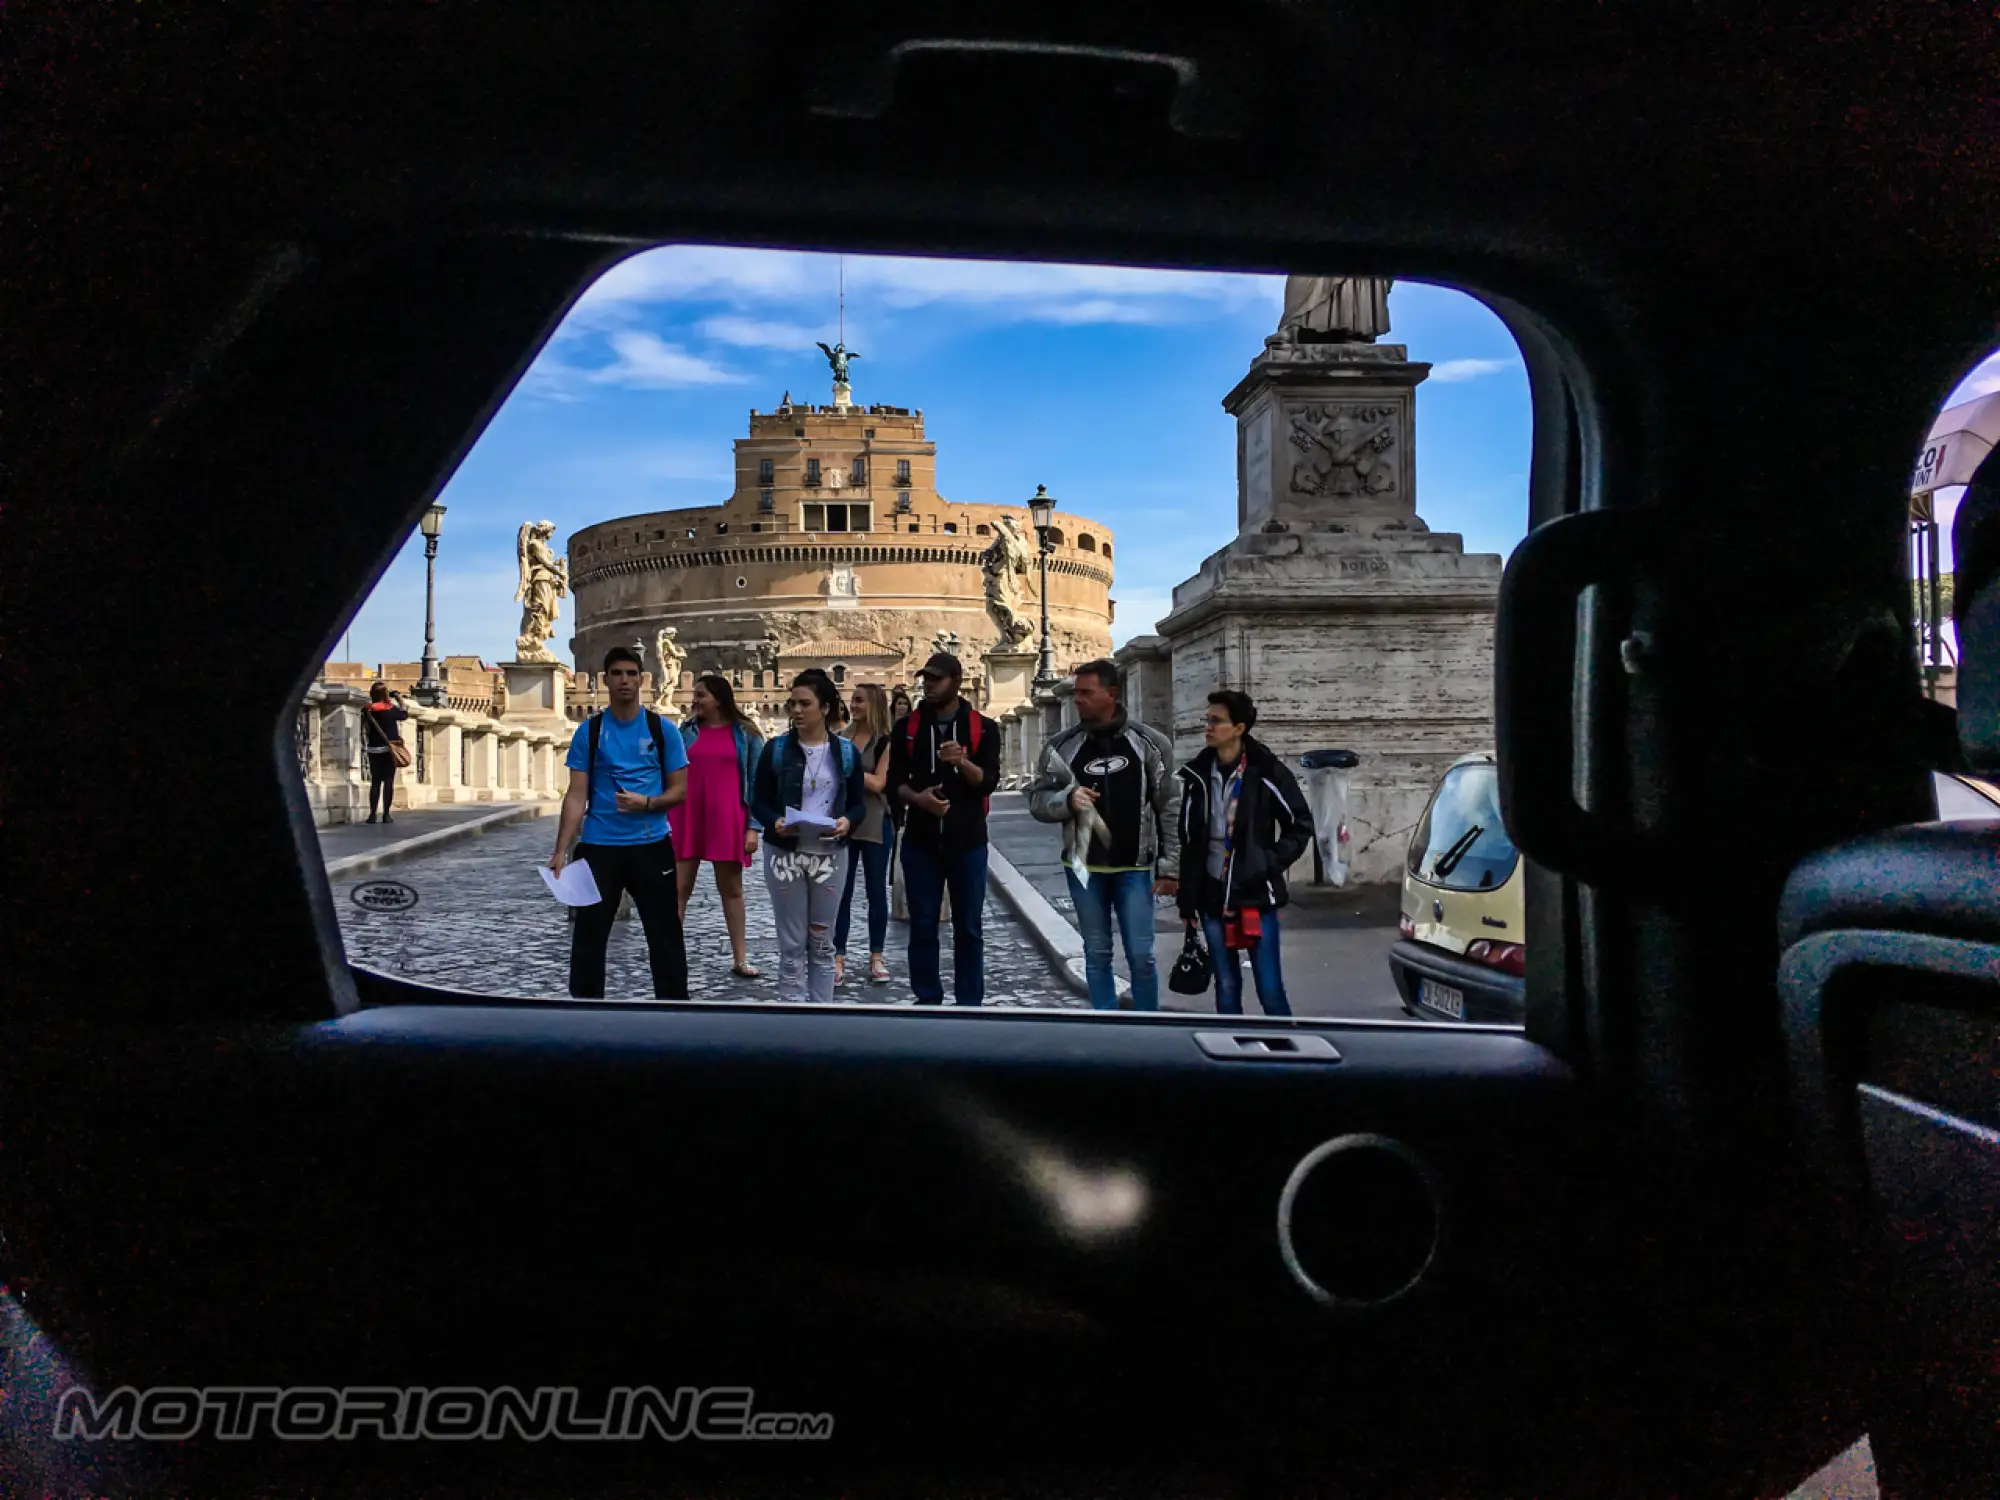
(620, 808)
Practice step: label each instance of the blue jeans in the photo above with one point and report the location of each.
(874, 860)
(926, 873)
(1128, 893)
(1264, 967)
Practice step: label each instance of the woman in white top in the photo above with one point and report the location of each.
(809, 776)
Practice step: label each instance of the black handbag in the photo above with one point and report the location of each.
(1192, 970)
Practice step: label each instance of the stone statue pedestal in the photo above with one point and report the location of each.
(537, 692)
(1326, 435)
(1348, 621)
(1010, 680)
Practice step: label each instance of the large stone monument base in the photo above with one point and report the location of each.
(1384, 648)
(1345, 618)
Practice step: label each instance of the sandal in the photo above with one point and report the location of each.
(741, 972)
(878, 971)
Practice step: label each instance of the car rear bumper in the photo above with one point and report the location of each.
(1490, 995)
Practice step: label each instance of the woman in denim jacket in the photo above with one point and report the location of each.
(815, 773)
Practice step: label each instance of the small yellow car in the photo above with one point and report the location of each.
(1460, 954)
(1461, 951)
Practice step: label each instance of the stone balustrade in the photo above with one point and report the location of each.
(457, 756)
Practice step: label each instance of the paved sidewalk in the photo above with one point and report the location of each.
(484, 923)
(349, 848)
(1336, 941)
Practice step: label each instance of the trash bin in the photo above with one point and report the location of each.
(1326, 777)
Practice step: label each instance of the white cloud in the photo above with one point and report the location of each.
(1097, 310)
(645, 360)
(1019, 290)
(700, 271)
(1452, 370)
(763, 333)
(1983, 381)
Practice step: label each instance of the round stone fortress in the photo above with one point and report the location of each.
(836, 551)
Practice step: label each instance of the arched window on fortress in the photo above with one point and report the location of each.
(839, 673)
(1086, 541)
(982, 529)
(952, 527)
(1055, 536)
(1107, 551)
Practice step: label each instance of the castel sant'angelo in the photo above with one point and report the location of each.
(835, 550)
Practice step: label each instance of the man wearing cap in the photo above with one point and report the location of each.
(944, 763)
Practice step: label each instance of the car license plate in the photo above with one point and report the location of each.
(1443, 997)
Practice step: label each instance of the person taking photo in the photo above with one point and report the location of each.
(381, 736)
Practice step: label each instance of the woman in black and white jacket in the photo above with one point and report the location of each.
(1244, 823)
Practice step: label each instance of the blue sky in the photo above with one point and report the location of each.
(1104, 383)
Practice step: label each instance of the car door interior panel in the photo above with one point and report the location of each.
(1725, 1202)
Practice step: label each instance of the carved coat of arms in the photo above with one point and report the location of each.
(1345, 450)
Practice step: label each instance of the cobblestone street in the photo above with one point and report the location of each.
(484, 923)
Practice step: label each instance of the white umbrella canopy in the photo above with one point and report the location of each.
(1958, 444)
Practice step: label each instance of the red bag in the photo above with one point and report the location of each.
(1241, 929)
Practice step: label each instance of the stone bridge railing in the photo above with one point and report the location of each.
(459, 756)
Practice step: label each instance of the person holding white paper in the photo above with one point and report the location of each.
(627, 768)
(576, 886)
(807, 780)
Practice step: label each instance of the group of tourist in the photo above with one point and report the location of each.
(829, 803)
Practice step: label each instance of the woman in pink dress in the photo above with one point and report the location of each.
(714, 823)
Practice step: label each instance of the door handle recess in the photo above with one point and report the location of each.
(1266, 1046)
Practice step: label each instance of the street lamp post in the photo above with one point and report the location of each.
(1042, 510)
(429, 691)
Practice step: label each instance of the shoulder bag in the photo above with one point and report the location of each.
(398, 751)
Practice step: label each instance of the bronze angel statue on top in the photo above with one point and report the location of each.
(837, 356)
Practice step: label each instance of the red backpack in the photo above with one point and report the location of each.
(971, 742)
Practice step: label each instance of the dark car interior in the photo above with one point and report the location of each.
(1727, 1204)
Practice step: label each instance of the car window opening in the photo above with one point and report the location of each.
(772, 760)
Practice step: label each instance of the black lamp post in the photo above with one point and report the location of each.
(1042, 510)
(429, 691)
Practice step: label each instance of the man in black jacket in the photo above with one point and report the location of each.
(944, 762)
(1244, 822)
